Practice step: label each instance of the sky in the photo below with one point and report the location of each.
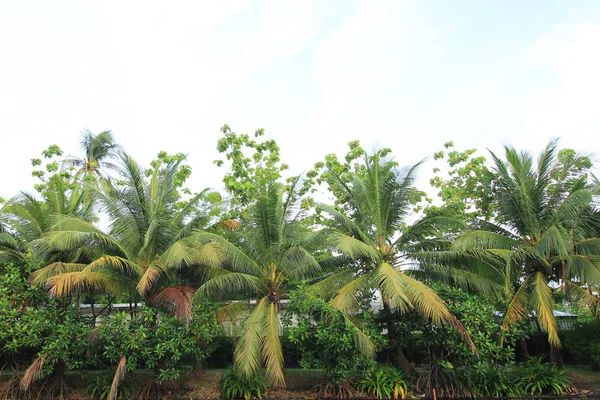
(409, 75)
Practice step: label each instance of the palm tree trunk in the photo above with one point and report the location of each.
(556, 356)
(398, 357)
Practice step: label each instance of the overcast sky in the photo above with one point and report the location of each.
(409, 75)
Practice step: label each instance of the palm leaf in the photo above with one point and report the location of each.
(271, 348)
(247, 350)
(542, 303)
(119, 375)
(348, 297)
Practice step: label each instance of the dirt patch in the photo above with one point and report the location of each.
(585, 380)
(205, 385)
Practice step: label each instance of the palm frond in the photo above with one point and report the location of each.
(582, 267)
(348, 297)
(231, 282)
(149, 279)
(518, 308)
(483, 240)
(42, 275)
(231, 312)
(33, 372)
(177, 299)
(361, 340)
(119, 375)
(542, 303)
(355, 248)
(271, 348)
(247, 350)
(554, 241)
(582, 296)
(297, 263)
(237, 259)
(70, 282)
(331, 283)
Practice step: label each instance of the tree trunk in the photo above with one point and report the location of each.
(398, 357)
(556, 356)
(524, 349)
(401, 361)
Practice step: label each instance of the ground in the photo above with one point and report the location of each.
(585, 379)
(300, 385)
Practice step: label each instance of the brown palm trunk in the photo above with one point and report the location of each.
(556, 356)
(398, 357)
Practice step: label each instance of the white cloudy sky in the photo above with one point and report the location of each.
(409, 75)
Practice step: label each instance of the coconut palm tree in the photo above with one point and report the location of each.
(151, 237)
(271, 250)
(543, 238)
(98, 148)
(25, 218)
(375, 245)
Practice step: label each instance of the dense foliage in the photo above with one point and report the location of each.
(385, 290)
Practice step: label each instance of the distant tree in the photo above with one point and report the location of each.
(99, 149)
(254, 164)
(468, 185)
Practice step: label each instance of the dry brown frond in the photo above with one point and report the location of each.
(33, 373)
(178, 299)
(119, 375)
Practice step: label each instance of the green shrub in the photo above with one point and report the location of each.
(425, 342)
(155, 341)
(535, 377)
(328, 339)
(382, 383)
(490, 380)
(234, 386)
(99, 387)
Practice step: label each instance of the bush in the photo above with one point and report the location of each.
(328, 339)
(31, 323)
(426, 342)
(382, 383)
(234, 386)
(157, 342)
(100, 386)
(489, 380)
(535, 377)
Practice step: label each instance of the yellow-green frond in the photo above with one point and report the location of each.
(355, 248)
(271, 348)
(247, 351)
(231, 312)
(42, 275)
(149, 279)
(348, 296)
(542, 303)
(70, 282)
(361, 340)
